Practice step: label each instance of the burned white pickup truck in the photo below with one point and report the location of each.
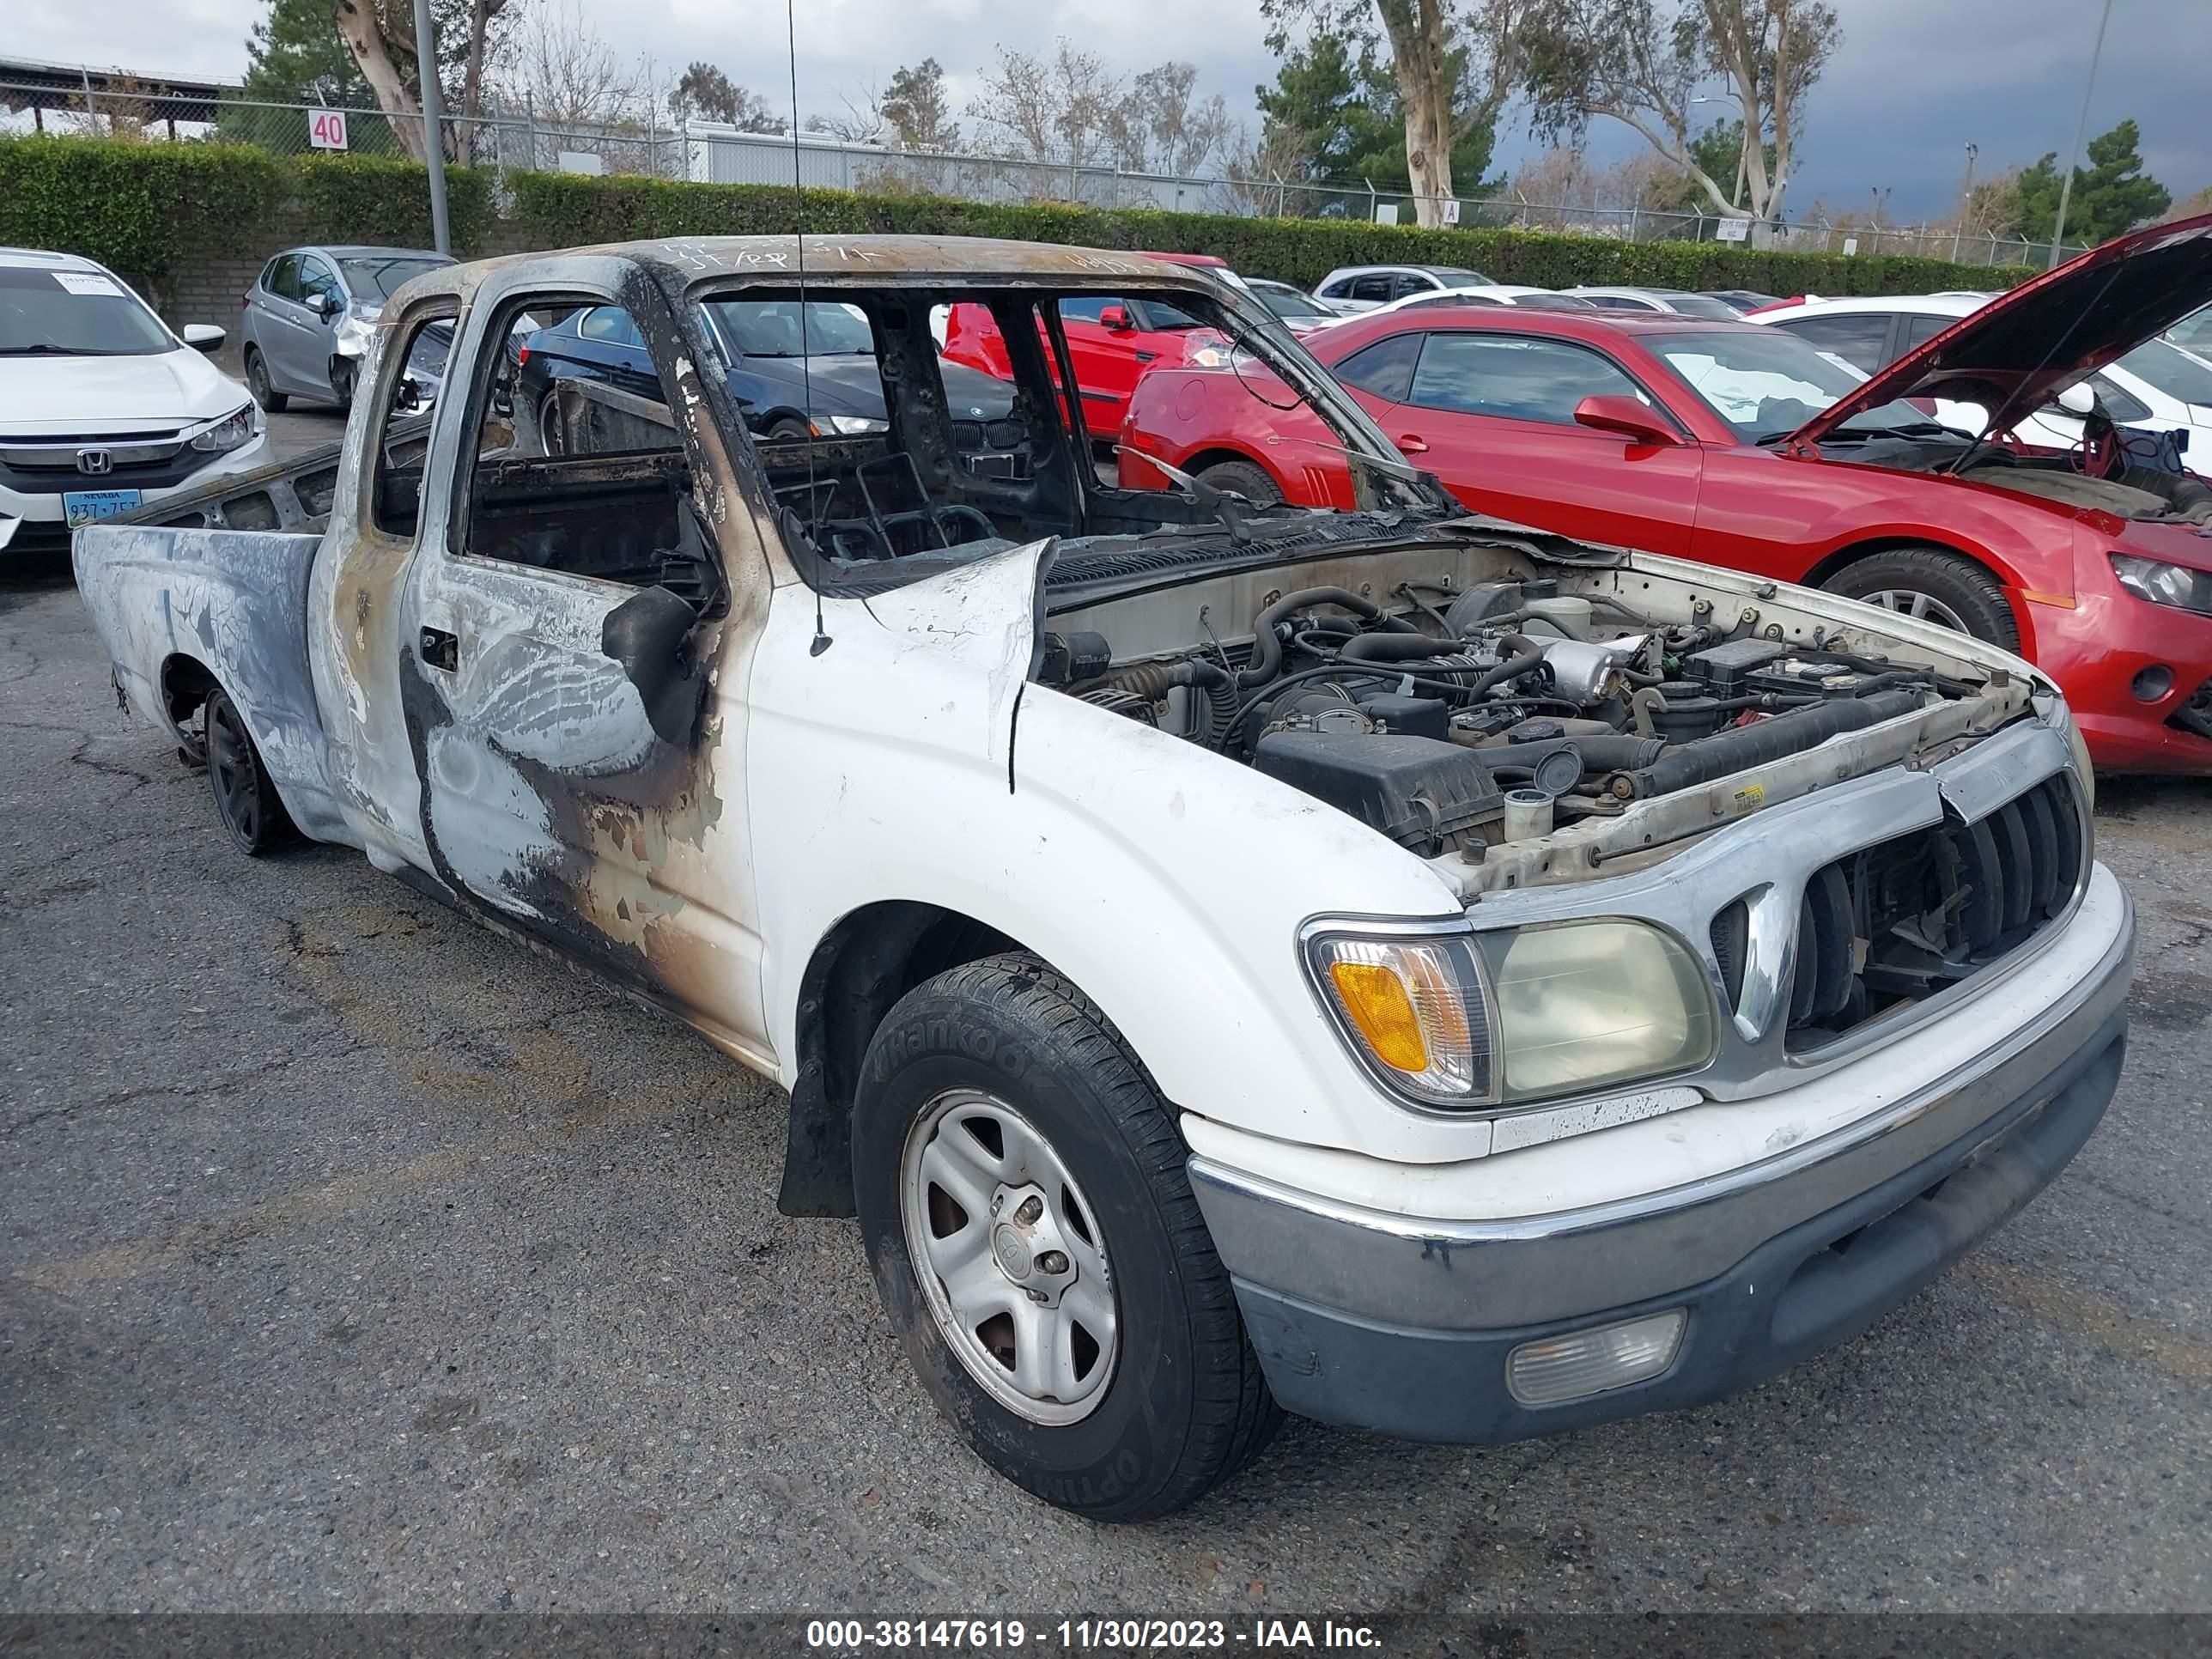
(1380, 964)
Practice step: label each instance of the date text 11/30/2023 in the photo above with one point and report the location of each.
(1085, 1635)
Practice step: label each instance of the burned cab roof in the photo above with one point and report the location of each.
(965, 259)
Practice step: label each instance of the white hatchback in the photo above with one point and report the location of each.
(103, 409)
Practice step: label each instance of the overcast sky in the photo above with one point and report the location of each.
(1915, 81)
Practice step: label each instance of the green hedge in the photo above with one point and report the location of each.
(564, 209)
(131, 206)
(376, 199)
(136, 207)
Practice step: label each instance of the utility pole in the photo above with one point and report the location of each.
(1965, 202)
(434, 125)
(2080, 127)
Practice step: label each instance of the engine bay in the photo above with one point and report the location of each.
(1526, 727)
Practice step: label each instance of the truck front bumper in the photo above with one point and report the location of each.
(1409, 1326)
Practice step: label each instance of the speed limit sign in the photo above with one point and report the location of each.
(326, 129)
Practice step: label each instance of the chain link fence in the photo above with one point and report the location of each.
(512, 139)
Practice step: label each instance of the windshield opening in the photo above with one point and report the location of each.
(75, 314)
(1456, 277)
(946, 431)
(374, 280)
(1765, 384)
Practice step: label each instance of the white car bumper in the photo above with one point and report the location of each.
(35, 511)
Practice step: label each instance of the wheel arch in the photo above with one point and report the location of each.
(858, 971)
(184, 684)
(1833, 564)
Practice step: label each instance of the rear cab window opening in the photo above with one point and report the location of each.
(939, 464)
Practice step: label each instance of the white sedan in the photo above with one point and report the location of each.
(102, 408)
(1488, 293)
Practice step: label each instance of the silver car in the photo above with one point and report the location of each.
(305, 320)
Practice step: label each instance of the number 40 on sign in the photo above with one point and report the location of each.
(326, 129)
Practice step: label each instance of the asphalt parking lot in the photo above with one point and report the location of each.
(351, 1258)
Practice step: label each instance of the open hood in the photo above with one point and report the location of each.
(2022, 348)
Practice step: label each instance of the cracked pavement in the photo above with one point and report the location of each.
(353, 1257)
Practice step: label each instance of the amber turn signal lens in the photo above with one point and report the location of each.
(1376, 1001)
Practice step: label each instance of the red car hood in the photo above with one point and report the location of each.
(2014, 354)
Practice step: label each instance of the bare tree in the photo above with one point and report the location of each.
(861, 119)
(1457, 62)
(473, 36)
(1643, 62)
(567, 75)
(1058, 109)
(373, 38)
(1157, 127)
(703, 90)
(918, 108)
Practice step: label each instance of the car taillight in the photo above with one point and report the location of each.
(245, 298)
(521, 355)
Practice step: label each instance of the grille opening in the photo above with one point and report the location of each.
(1895, 923)
(1731, 937)
(2195, 714)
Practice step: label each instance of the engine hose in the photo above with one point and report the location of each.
(1421, 683)
(1267, 650)
(1398, 647)
(1689, 764)
(1511, 669)
(1154, 680)
(1608, 754)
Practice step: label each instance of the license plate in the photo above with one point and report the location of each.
(90, 506)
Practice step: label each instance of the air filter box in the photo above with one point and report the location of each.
(1427, 796)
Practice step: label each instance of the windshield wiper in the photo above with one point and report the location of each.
(1225, 504)
(48, 348)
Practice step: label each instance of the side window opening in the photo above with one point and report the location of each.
(426, 341)
(579, 465)
(1383, 369)
(1515, 379)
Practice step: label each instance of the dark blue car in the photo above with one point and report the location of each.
(794, 375)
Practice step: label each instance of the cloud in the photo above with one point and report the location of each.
(1915, 83)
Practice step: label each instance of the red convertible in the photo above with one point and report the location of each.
(1733, 445)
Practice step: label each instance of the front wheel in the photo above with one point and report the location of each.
(1935, 587)
(1032, 1233)
(1243, 478)
(342, 382)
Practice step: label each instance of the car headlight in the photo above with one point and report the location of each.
(2164, 584)
(852, 426)
(1586, 1004)
(354, 335)
(231, 430)
(1412, 1008)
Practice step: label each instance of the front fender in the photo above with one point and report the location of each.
(1169, 882)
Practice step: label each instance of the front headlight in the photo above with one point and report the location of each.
(1413, 1009)
(1585, 1004)
(853, 426)
(2164, 584)
(231, 430)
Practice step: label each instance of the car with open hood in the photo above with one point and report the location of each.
(1737, 444)
(1384, 963)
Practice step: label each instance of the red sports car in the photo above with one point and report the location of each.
(1733, 445)
(1112, 343)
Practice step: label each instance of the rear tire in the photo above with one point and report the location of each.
(245, 799)
(1934, 585)
(1244, 478)
(257, 382)
(1096, 1356)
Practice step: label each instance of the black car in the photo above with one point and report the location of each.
(795, 373)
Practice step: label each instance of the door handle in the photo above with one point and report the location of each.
(1411, 443)
(440, 649)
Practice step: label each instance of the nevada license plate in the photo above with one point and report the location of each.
(90, 506)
